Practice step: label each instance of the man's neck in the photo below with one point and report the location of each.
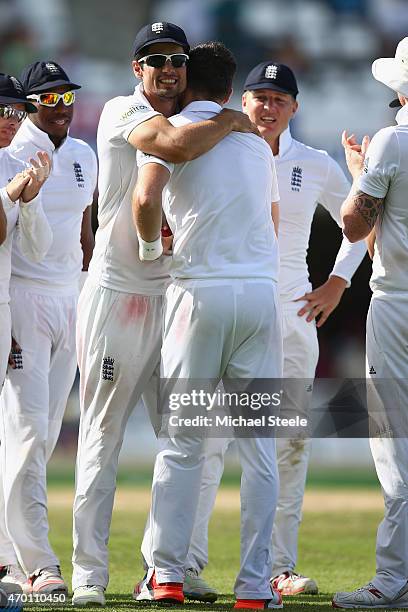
(273, 142)
(165, 106)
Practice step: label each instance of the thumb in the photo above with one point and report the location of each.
(364, 144)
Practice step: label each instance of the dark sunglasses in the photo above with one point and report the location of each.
(8, 112)
(157, 60)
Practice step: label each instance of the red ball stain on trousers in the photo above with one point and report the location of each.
(133, 308)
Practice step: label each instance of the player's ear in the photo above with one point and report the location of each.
(244, 100)
(295, 107)
(228, 96)
(137, 69)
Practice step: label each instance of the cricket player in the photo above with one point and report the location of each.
(120, 308)
(306, 177)
(221, 320)
(23, 215)
(21, 211)
(378, 200)
(35, 392)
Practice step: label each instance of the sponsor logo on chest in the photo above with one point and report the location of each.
(296, 178)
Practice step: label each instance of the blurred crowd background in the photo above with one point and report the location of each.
(329, 44)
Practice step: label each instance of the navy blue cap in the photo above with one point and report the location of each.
(161, 31)
(12, 92)
(270, 75)
(43, 76)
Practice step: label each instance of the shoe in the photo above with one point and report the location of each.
(196, 588)
(48, 580)
(370, 597)
(90, 594)
(260, 604)
(150, 590)
(290, 583)
(13, 581)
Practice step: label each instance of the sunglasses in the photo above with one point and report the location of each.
(8, 112)
(157, 60)
(51, 99)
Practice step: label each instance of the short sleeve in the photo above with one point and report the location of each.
(335, 189)
(122, 115)
(381, 163)
(145, 158)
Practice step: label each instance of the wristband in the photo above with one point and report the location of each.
(148, 251)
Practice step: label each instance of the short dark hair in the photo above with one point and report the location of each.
(210, 70)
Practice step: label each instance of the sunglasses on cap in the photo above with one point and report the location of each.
(8, 112)
(157, 60)
(51, 99)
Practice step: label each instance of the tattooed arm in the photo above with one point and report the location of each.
(359, 213)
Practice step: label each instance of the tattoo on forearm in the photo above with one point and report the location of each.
(368, 206)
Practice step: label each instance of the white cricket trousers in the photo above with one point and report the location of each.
(387, 341)
(300, 355)
(32, 405)
(228, 330)
(118, 339)
(6, 547)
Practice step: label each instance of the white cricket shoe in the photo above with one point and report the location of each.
(370, 597)
(92, 594)
(260, 604)
(290, 583)
(49, 580)
(13, 581)
(197, 589)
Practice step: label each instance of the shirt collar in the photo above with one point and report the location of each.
(202, 105)
(285, 142)
(402, 116)
(39, 138)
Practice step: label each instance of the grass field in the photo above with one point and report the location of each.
(336, 544)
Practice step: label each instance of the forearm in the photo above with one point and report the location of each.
(187, 142)
(87, 244)
(147, 213)
(359, 213)
(3, 224)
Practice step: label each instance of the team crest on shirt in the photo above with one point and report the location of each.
(108, 368)
(365, 166)
(296, 178)
(79, 177)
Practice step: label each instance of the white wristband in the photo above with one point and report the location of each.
(148, 251)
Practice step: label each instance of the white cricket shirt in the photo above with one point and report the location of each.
(385, 175)
(308, 177)
(115, 263)
(219, 206)
(65, 195)
(28, 223)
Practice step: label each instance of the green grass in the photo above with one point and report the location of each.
(336, 548)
